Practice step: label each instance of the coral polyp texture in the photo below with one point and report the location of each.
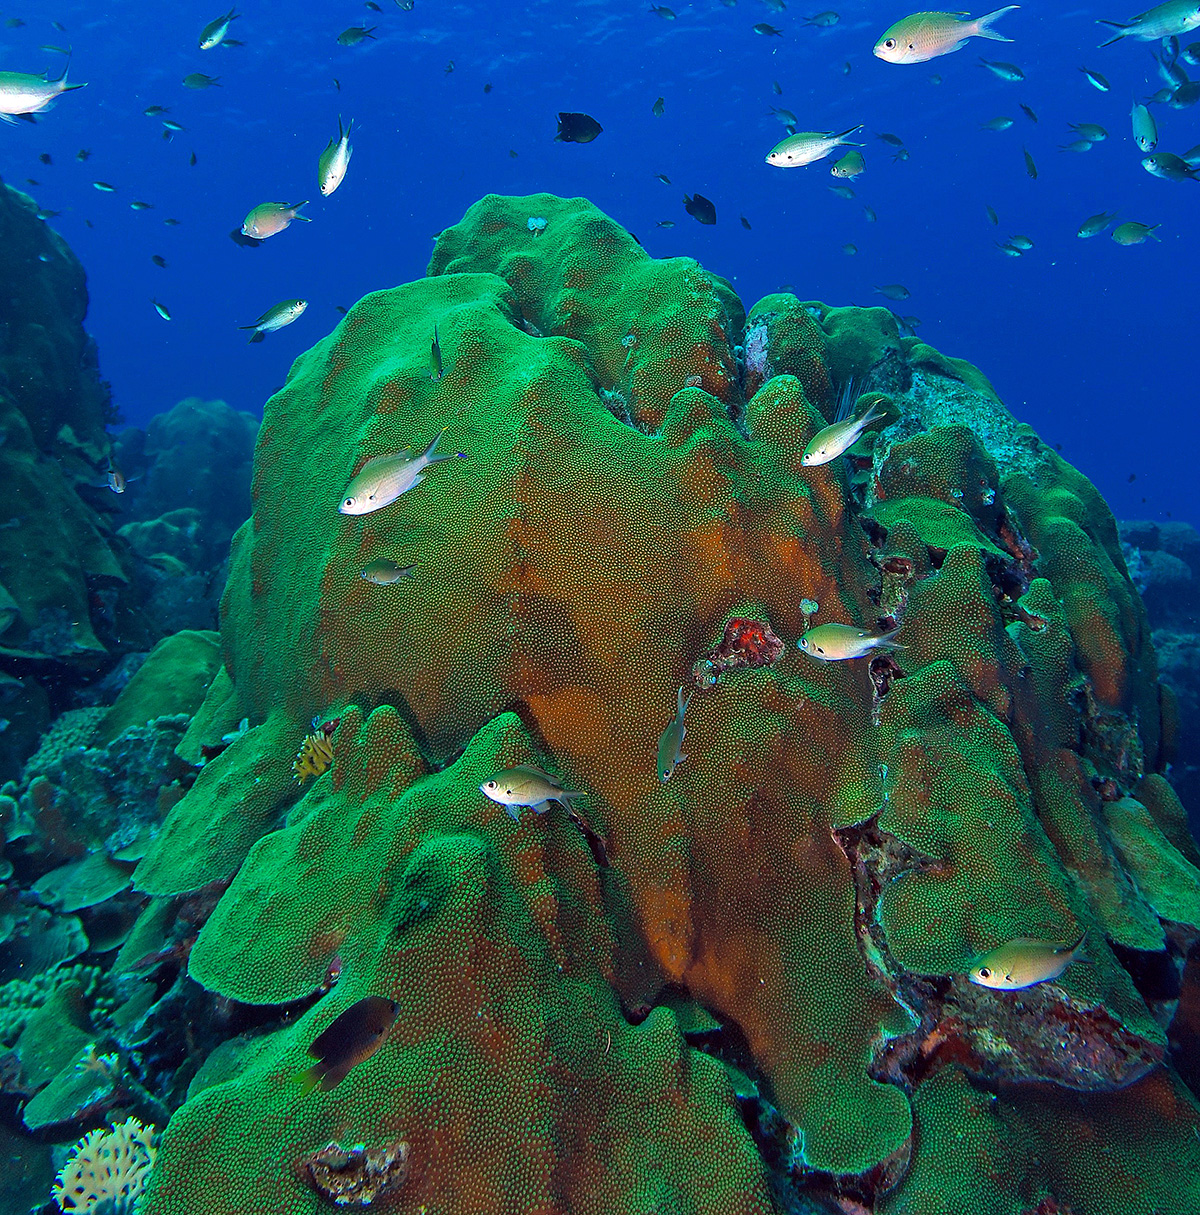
(748, 984)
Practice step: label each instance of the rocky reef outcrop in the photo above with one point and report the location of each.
(1164, 563)
(742, 989)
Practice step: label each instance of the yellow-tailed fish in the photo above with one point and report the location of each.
(213, 34)
(833, 440)
(334, 161)
(670, 742)
(1162, 21)
(1133, 233)
(283, 313)
(526, 785)
(383, 572)
(351, 1038)
(838, 642)
(807, 147)
(24, 93)
(435, 357)
(850, 165)
(1145, 129)
(269, 219)
(925, 36)
(1024, 962)
(382, 480)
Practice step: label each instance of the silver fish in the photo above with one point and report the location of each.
(382, 480)
(526, 785)
(830, 442)
(24, 93)
(838, 642)
(670, 742)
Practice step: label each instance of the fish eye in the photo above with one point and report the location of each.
(490, 785)
(889, 44)
(984, 973)
(348, 502)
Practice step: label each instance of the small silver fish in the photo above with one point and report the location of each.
(213, 34)
(276, 317)
(1162, 21)
(383, 572)
(1145, 129)
(334, 161)
(838, 642)
(526, 785)
(1095, 224)
(1024, 962)
(807, 147)
(830, 442)
(1169, 167)
(23, 93)
(924, 36)
(1006, 71)
(670, 742)
(271, 218)
(382, 480)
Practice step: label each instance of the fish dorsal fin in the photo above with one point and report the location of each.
(845, 400)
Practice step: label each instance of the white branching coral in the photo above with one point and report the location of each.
(107, 1169)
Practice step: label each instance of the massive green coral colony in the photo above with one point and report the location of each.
(746, 984)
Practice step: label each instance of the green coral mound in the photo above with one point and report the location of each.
(816, 877)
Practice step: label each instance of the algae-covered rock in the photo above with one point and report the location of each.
(842, 840)
(173, 680)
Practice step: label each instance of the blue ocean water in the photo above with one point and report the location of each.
(1091, 343)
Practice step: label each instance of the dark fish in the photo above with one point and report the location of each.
(665, 223)
(657, 108)
(351, 1038)
(159, 260)
(512, 154)
(1028, 112)
(45, 158)
(435, 357)
(240, 238)
(192, 160)
(577, 128)
(83, 154)
(768, 31)
(745, 222)
(1030, 167)
(666, 181)
(700, 209)
(487, 88)
(448, 68)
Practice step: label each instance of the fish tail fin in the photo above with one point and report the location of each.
(296, 207)
(845, 134)
(306, 1080)
(1123, 30)
(1078, 945)
(885, 641)
(983, 27)
(256, 336)
(874, 413)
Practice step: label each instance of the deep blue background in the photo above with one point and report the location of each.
(1091, 343)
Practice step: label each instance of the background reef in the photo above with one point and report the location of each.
(740, 990)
